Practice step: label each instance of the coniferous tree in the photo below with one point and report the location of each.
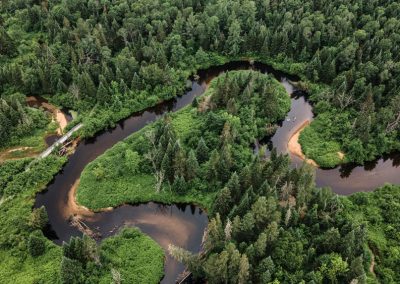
(36, 244)
(202, 151)
(192, 166)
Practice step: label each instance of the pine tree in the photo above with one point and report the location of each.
(244, 267)
(71, 271)
(167, 163)
(179, 186)
(234, 186)
(213, 165)
(223, 202)
(225, 163)
(36, 244)
(192, 166)
(38, 218)
(202, 151)
(215, 234)
(86, 85)
(245, 177)
(102, 93)
(179, 159)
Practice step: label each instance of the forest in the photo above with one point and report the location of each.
(268, 223)
(108, 59)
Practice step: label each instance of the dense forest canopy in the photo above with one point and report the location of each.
(109, 58)
(268, 223)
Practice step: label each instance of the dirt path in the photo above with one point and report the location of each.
(372, 265)
(294, 146)
(9, 154)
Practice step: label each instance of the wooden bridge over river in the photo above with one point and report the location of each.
(60, 141)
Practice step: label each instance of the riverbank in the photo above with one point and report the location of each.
(32, 145)
(57, 115)
(294, 146)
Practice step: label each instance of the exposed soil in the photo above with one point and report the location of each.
(294, 146)
(9, 154)
(75, 209)
(62, 121)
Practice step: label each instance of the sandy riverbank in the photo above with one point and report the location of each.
(73, 208)
(62, 121)
(294, 146)
(57, 114)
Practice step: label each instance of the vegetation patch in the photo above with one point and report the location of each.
(136, 257)
(23, 249)
(130, 257)
(323, 151)
(170, 161)
(380, 212)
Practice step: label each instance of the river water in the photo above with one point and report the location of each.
(183, 225)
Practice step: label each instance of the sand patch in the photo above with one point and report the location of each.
(62, 121)
(294, 146)
(73, 208)
(341, 155)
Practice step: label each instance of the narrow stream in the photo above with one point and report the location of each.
(183, 225)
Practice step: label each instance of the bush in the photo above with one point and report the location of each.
(36, 244)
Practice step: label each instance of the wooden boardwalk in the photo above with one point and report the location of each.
(60, 141)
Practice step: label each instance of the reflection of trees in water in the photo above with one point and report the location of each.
(369, 166)
(396, 159)
(164, 209)
(183, 207)
(346, 169)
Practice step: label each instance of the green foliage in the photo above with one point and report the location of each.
(380, 209)
(135, 256)
(18, 222)
(18, 120)
(130, 256)
(176, 149)
(70, 271)
(36, 244)
(38, 218)
(128, 56)
(319, 148)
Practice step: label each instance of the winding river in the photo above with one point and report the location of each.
(183, 225)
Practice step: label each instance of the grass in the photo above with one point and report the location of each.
(20, 189)
(41, 269)
(185, 123)
(33, 144)
(137, 257)
(132, 189)
(324, 153)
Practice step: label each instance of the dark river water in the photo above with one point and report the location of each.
(183, 225)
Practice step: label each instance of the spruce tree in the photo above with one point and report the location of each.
(71, 271)
(36, 244)
(223, 202)
(179, 186)
(202, 151)
(192, 166)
